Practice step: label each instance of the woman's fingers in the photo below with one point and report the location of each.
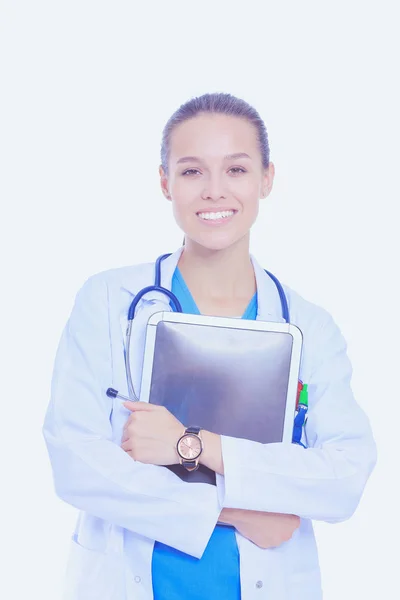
(127, 446)
(136, 406)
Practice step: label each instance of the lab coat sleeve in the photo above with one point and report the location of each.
(90, 470)
(324, 481)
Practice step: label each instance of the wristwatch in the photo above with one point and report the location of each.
(189, 447)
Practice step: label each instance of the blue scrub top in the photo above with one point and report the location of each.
(217, 574)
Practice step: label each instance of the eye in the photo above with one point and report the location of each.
(236, 170)
(189, 171)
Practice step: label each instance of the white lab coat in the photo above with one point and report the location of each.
(122, 501)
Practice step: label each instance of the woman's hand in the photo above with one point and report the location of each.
(151, 433)
(266, 530)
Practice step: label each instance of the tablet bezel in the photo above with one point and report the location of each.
(235, 323)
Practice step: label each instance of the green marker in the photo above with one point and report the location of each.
(303, 399)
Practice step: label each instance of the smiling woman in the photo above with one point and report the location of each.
(215, 165)
(142, 531)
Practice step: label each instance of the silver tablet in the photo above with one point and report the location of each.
(234, 377)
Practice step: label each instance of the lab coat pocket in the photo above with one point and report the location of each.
(93, 574)
(305, 586)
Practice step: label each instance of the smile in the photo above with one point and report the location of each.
(216, 216)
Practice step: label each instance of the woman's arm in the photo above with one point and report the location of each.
(211, 456)
(324, 481)
(90, 469)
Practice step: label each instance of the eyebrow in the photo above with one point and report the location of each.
(185, 159)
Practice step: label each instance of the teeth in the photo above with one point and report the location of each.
(213, 216)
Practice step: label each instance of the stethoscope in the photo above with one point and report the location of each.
(176, 306)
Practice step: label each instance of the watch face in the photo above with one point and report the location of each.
(190, 447)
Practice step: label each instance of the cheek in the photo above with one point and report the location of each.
(183, 191)
(250, 215)
(251, 202)
(180, 210)
(251, 189)
(184, 198)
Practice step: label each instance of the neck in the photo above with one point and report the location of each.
(226, 273)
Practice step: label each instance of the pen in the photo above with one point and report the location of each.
(303, 398)
(111, 393)
(299, 420)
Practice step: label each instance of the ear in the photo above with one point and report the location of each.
(164, 183)
(268, 180)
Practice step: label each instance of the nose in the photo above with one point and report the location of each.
(214, 188)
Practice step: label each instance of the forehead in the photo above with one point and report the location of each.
(213, 135)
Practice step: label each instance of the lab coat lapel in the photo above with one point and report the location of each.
(151, 303)
(268, 300)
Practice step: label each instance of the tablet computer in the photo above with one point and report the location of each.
(231, 376)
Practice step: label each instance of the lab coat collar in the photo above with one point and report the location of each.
(268, 299)
(269, 304)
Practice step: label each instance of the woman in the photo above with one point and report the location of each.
(142, 532)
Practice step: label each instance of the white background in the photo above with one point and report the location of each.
(86, 88)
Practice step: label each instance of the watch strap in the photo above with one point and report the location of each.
(193, 429)
(190, 465)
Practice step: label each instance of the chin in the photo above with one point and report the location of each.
(213, 241)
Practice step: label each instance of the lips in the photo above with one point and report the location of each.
(216, 210)
(216, 217)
